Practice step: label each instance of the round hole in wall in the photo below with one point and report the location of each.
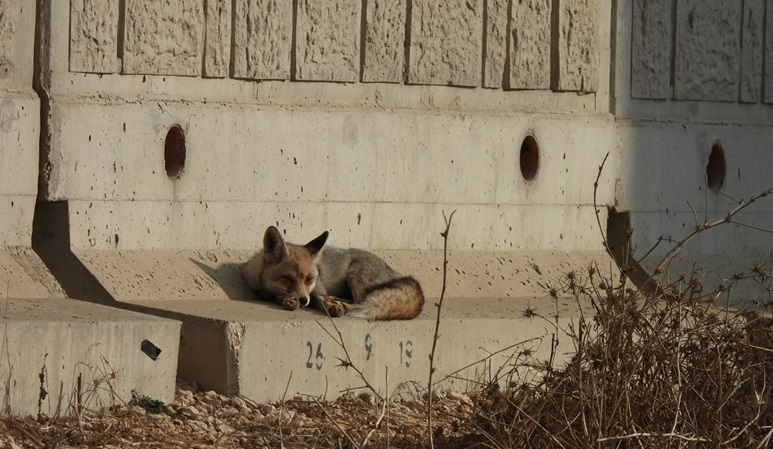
(716, 168)
(529, 158)
(174, 152)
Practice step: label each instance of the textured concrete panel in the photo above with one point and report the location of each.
(52, 343)
(384, 41)
(496, 43)
(23, 275)
(768, 79)
(9, 21)
(578, 44)
(94, 36)
(262, 39)
(752, 38)
(328, 40)
(708, 48)
(164, 37)
(446, 39)
(530, 45)
(651, 38)
(217, 48)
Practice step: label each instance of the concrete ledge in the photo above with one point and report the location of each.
(258, 350)
(57, 353)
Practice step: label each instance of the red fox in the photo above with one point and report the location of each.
(296, 276)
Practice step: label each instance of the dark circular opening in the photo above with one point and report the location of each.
(174, 152)
(529, 158)
(716, 168)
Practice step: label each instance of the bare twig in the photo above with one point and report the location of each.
(439, 306)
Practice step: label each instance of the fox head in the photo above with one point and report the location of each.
(290, 270)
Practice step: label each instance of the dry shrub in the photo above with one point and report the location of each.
(668, 368)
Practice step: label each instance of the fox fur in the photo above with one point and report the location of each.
(334, 280)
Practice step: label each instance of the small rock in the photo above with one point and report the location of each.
(197, 426)
(229, 411)
(158, 416)
(137, 409)
(190, 412)
(237, 402)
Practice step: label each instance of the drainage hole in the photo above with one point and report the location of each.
(529, 158)
(174, 152)
(716, 168)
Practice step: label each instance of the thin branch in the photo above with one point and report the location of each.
(439, 306)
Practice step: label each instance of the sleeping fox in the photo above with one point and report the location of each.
(334, 280)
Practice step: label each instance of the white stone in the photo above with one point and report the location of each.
(328, 40)
(94, 36)
(708, 49)
(496, 44)
(578, 43)
(262, 39)
(530, 40)
(164, 37)
(217, 47)
(384, 41)
(651, 49)
(446, 42)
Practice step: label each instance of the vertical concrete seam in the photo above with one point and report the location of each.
(407, 41)
(506, 73)
(121, 30)
(555, 37)
(232, 58)
(363, 35)
(484, 44)
(611, 103)
(765, 30)
(294, 43)
(205, 5)
(41, 82)
(672, 68)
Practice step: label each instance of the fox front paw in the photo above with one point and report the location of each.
(336, 308)
(290, 303)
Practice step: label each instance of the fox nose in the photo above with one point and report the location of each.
(304, 301)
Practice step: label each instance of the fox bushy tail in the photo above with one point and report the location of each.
(397, 299)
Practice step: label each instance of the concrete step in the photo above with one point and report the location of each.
(261, 351)
(57, 353)
(234, 343)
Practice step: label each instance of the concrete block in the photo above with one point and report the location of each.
(328, 40)
(384, 57)
(708, 49)
(446, 42)
(768, 49)
(496, 35)
(217, 46)
(23, 275)
(651, 49)
(9, 23)
(262, 39)
(752, 40)
(578, 43)
(530, 40)
(224, 343)
(164, 37)
(94, 36)
(59, 352)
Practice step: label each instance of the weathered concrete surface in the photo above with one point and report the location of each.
(94, 36)
(23, 275)
(217, 44)
(446, 42)
(752, 40)
(61, 352)
(164, 37)
(224, 343)
(384, 56)
(114, 178)
(10, 12)
(708, 49)
(262, 39)
(530, 40)
(496, 35)
(651, 49)
(768, 79)
(578, 43)
(328, 40)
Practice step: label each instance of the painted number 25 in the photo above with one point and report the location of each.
(315, 359)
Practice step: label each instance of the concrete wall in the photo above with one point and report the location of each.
(698, 75)
(315, 115)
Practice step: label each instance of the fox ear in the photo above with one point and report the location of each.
(274, 245)
(316, 245)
